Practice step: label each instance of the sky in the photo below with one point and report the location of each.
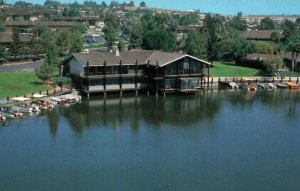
(228, 7)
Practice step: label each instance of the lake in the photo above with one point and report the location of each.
(221, 140)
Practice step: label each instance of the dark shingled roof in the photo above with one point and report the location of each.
(7, 37)
(31, 11)
(259, 34)
(33, 23)
(258, 56)
(143, 57)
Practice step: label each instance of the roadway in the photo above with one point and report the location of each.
(20, 66)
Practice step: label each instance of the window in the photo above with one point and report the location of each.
(128, 80)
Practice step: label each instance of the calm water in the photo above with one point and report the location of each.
(216, 141)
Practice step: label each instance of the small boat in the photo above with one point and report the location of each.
(292, 85)
(231, 85)
(282, 86)
(250, 87)
(262, 86)
(271, 86)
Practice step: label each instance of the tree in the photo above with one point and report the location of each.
(111, 29)
(294, 46)
(143, 4)
(235, 47)
(273, 65)
(65, 12)
(267, 24)
(63, 41)
(73, 13)
(276, 37)
(264, 47)
(159, 39)
(195, 44)
(80, 28)
(237, 23)
(52, 55)
(103, 4)
(22, 4)
(289, 29)
(121, 46)
(44, 71)
(211, 25)
(76, 42)
(60, 81)
(2, 53)
(189, 19)
(133, 30)
(2, 28)
(2, 17)
(16, 45)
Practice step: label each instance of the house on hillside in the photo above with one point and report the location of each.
(30, 14)
(151, 71)
(27, 26)
(261, 35)
(6, 38)
(86, 20)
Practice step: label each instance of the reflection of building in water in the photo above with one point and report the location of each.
(119, 112)
(174, 111)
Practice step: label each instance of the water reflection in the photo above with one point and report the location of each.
(175, 111)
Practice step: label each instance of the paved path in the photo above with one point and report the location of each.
(24, 66)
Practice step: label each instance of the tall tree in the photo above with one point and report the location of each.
(63, 41)
(294, 46)
(76, 42)
(195, 44)
(143, 4)
(103, 4)
(211, 26)
(16, 45)
(111, 29)
(267, 24)
(52, 55)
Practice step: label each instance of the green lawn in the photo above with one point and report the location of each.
(223, 69)
(19, 83)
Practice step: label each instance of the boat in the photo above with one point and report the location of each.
(231, 85)
(282, 86)
(262, 86)
(249, 87)
(292, 85)
(271, 86)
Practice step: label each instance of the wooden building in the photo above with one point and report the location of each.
(150, 71)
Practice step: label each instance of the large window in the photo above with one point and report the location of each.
(171, 69)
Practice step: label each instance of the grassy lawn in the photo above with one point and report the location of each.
(19, 83)
(224, 69)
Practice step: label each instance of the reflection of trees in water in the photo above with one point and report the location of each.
(53, 118)
(174, 110)
(276, 100)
